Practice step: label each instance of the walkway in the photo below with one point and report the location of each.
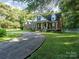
(21, 47)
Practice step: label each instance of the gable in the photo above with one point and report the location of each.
(40, 18)
(53, 17)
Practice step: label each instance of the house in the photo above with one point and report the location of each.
(50, 23)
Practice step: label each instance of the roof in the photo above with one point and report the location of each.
(48, 18)
(58, 16)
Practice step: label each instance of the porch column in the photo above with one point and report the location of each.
(36, 26)
(41, 26)
(46, 25)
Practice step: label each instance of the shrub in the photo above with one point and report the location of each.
(8, 24)
(2, 32)
(16, 25)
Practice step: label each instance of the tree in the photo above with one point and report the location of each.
(35, 4)
(9, 16)
(10, 13)
(70, 11)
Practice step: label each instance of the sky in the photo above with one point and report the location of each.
(52, 6)
(16, 4)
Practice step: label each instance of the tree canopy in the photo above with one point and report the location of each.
(9, 12)
(70, 11)
(35, 4)
(11, 17)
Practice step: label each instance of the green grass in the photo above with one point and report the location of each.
(11, 34)
(58, 46)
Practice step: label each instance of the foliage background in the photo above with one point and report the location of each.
(11, 17)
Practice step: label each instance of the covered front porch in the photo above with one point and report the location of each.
(45, 26)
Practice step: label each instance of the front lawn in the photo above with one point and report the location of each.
(58, 46)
